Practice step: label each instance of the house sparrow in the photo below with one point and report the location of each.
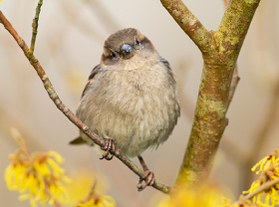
(130, 98)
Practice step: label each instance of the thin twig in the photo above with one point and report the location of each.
(235, 80)
(188, 23)
(35, 26)
(65, 110)
(262, 188)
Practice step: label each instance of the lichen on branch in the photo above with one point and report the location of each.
(220, 50)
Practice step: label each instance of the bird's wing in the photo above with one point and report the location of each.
(94, 71)
(165, 62)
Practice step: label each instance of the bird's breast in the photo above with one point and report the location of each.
(136, 108)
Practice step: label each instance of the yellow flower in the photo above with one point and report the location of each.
(269, 166)
(242, 202)
(37, 177)
(87, 189)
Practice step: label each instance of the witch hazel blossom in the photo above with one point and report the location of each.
(269, 168)
(38, 177)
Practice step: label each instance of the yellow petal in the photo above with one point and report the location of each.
(41, 168)
(55, 167)
(56, 156)
(24, 197)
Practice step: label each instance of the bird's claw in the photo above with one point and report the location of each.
(148, 178)
(109, 149)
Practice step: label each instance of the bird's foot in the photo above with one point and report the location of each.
(148, 177)
(109, 149)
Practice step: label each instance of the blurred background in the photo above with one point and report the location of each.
(69, 44)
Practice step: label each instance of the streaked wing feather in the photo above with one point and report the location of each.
(166, 63)
(94, 71)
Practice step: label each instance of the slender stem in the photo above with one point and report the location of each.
(35, 27)
(234, 83)
(188, 23)
(262, 188)
(65, 110)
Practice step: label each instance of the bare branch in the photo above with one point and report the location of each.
(188, 23)
(235, 80)
(65, 110)
(35, 26)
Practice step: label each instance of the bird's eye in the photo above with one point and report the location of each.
(137, 42)
(113, 55)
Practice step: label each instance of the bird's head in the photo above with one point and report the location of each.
(124, 45)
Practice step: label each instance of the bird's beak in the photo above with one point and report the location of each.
(127, 51)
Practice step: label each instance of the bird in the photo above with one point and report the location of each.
(130, 99)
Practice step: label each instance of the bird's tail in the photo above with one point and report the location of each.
(78, 141)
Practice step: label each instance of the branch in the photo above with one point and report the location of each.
(65, 110)
(188, 23)
(235, 78)
(35, 26)
(220, 51)
(262, 188)
(234, 25)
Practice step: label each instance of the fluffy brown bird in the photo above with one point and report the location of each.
(130, 98)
